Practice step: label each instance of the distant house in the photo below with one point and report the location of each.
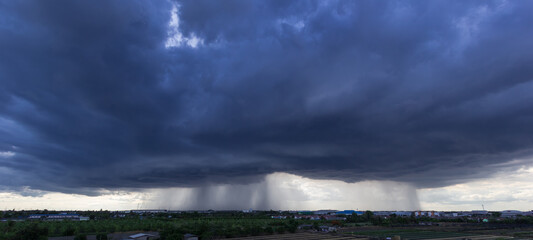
(305, 226)
(331, 218)
(142, 236)
(149, 211)
(382, 213)
(402, 214)
(327, 229)
(305, 212)
(189, 236)
(450, 214)
(479, 212)
(57, 217)
(511, 213)
(431, 214)
(349, 212)
(324, 212)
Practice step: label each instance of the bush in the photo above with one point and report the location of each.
(69, 231)
(32, 231)
(80, 237)
(101, 236)
(269, 230)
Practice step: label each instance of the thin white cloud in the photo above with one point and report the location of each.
(7, 154)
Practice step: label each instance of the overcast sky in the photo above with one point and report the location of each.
(428, 102)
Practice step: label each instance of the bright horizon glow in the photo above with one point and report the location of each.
(502, 192)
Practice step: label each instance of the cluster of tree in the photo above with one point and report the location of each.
(365, 217)
(207, 227)
(22, 231)
(216, 229)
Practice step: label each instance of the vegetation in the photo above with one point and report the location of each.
(209, 225)
(206, 226)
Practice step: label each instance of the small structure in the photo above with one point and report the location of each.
(324, 212)
(305, 226)
(402, 213)
(511, 213)
(142, 236)
(57, 217)
(479, 212)
(431, 214)
(349, 212)
(332, 218)
(189, 236)
(139, 211)
(327, 229)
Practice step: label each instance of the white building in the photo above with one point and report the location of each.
(189, 236)
(142, 236)
(511, 213)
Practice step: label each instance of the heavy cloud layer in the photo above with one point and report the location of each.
(142, 94)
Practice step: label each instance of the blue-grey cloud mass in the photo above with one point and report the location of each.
(115, 94)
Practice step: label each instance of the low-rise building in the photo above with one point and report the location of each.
(402, 213)
(327, 229)
(431, 214)
(479, 212)
(511, 213)
(142, 236)
(349, 212)
(58, 217)
(324, 212)
(189, 236)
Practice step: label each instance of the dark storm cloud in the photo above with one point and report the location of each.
(430, 93)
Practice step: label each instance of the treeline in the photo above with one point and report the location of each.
(214, 229)
(169, 228)
(22, 231)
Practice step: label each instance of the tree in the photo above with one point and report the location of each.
(80, 237)
(101, 236)
(32, 231)
(368, 215)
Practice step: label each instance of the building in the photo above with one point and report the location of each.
(149, 211)
(324, 212)
(58, 217)
(450, 214)
(479, 212)
(349, 212)
(327, 229)
(511, 213)
(189, 236)
(382, 214)
(305, 213)
(305, 226)
(332, 218)
(431, 214)
(402, 214)
(142, 236)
